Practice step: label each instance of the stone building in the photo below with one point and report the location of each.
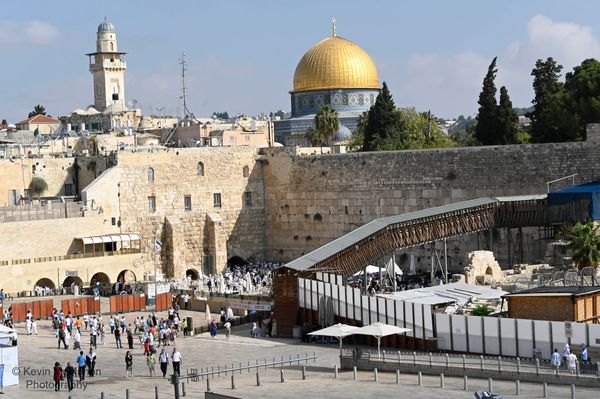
(334, 71)
(43, 123)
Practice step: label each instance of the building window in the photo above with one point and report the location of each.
(200, 169)
(187, 202)
(248, 198)
(152, 204)
(69, 189)
(246, 171)
(217, 200)
(150, 175)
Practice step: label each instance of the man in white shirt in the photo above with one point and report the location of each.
(176, 358)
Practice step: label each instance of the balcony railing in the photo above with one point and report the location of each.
(59, 258)
(24, 213)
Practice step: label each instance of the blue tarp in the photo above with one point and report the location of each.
(584, 192)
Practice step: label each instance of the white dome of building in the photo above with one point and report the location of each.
(106, 27)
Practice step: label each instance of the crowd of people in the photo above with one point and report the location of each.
(568, 360)
(151, 332)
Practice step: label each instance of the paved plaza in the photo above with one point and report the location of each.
(38, 354)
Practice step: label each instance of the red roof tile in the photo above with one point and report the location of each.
(38, 119)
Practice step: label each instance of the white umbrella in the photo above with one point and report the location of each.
(379, 330)
(338, 331)
(370, 270)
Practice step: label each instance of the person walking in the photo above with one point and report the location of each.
(81, 360)
(151, 363)
(118, 338)
(129, 338)
(583, 354)
(111, 324)
(227, 329)
(77, 340)
(123, 323)
(69, 372)
(555, 359)
(213, 328)
(62, 335)
(34, 326)
(176, 359)
(128, 363)
(572, 362)
(90, 361)
(164, 362)
(58, 376)
(93, 336)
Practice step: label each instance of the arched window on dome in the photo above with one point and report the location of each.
(246, 171)
(200, 169)
(150, 175)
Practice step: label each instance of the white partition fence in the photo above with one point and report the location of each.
(457, 333)
(511, 337)
(349, 303)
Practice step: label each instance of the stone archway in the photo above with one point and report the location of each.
(101, 278)
(235, 261)
(126, 276)
(45, 283)
(72, 280)
(193, 274)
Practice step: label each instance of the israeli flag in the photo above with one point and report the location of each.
(157, 245)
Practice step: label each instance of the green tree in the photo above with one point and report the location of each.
(37, 186)
(508, 121)
(482, 310)
(221, 115)
(418, 130)
(37, 110)
(545, 117)
(486, 131)
(4, 122)
(383, 122)
(582, 98)
(584, 242)
(358, 135)
(314, 136)
(327, 123)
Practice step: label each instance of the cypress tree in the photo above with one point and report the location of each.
(508, 121)
(544, 119)
(383, 122)
(486, 131)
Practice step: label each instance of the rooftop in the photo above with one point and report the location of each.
(38, 119)
(557, 291)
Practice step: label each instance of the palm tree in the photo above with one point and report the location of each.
(314, 136)
(584, 242)
(327, 122)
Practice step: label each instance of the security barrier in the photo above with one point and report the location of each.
(127, 303)
(80, 305)
(39, 309)
(164, 301)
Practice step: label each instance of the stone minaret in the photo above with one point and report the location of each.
(108, 66)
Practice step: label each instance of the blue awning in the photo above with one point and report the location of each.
(588, 192)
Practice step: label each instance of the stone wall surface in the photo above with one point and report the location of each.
(186, 238)
(312, 200)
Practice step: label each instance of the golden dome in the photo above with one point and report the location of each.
(335, 63)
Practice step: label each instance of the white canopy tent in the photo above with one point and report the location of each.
(338, 331)
(379, 330)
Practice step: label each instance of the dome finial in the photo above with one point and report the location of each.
(333, 26)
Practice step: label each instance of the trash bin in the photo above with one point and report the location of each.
(190, 325)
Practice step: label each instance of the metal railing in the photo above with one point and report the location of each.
(59, 258)
(196, 375)
(491, 364)
(24, 213)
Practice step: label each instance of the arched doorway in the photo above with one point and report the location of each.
(126, 276)
(103, 281)
(235, 261)
(45, 283)
(71, 281)
(193, 274)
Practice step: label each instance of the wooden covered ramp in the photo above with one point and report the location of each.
(379, 238)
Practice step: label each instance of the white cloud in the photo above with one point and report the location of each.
(33, 32)
(450, 85)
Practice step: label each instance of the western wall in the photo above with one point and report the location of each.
(311, 200)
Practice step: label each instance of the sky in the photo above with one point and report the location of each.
(242, 54)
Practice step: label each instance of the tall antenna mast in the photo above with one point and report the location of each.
(183, 64)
